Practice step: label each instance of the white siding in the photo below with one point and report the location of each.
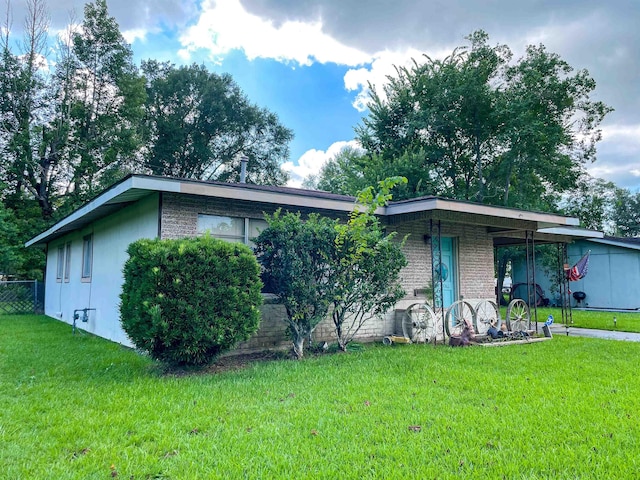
(111, 236)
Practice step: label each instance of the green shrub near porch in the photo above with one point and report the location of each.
(186, 301)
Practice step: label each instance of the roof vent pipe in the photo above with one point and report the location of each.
(243, 169)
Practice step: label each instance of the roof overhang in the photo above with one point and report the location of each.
(545, 235)
(615, 243)
(135, 187)
(501, 222)
(542, 220)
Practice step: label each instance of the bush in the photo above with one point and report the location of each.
(186, 301)
(295, 255)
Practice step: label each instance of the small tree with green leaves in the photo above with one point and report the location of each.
(295, 255)
(187, 301)
(366, 266)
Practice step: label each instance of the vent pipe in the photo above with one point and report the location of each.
(243, 169)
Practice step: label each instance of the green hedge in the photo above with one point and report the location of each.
(186, 301)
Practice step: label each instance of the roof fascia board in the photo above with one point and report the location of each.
(614, 243)
(573, 232)
(170, 185)
(264, 196)
(544, 219)
(103, 199)
(136, 182)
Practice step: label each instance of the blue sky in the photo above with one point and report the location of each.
(309, 61)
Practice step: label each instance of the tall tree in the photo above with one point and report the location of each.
(198, 124)
(626, 214)
(593, 202)
(477, 126)
(69, 129)
(107, 97)
(24, 108)
(551, 127)
(441, 115)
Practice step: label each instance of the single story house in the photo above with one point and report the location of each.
(612, 281)
(86, 250)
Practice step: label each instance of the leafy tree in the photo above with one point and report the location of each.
(592, 202)
(344, 173)
(477, 126)
(67, 131)
(198, 124)
(106, 99)
(296, 255)
(366, 265)
(9, 255)
(23, 109)
(626, 213)
(318, 263)
(441, 114)
(551, 129)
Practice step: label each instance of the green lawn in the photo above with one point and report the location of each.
(81, 407)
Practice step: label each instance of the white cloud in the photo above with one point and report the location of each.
(382, 66)
(312, 161)
(225, 25)
(621, 139)
(135, 34)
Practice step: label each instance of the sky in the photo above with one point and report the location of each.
(311, 61)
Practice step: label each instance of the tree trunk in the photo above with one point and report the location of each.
(298, 346)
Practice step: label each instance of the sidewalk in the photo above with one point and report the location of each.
(559, 329)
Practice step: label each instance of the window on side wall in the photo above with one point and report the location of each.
(87, 257)
(67, 262)
(232, 229)
(60, 266)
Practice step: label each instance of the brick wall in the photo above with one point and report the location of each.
(179, 219)
(474, 258)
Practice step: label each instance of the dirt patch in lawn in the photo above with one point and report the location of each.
(244, 360)
(227, 363)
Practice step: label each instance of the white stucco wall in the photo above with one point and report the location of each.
(111, 236)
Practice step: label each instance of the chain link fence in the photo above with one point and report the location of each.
(21, 297)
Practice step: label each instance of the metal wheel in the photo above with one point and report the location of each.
(487, 315)
(518, 316)
(459, 314)
(419, 323)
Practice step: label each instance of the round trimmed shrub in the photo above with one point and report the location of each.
(186, 301)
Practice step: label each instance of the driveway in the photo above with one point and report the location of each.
(559, 329)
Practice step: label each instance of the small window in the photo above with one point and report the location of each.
(87, 257)
(60, 270)
(226, 228)
(232, 229)
(67, 262)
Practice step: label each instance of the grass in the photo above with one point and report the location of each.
(79, 407)
(625, 321)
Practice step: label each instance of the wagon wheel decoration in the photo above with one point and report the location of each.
(459, 314)
(419, 323)
(487, 315)
(518, 316)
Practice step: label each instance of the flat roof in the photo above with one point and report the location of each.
(134, 187)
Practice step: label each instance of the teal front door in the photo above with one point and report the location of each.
(448, 271)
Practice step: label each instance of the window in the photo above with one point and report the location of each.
(255, 227)
(60, 270)
(67, 262)
(226, 228)
(87, 257)
(232, 229)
